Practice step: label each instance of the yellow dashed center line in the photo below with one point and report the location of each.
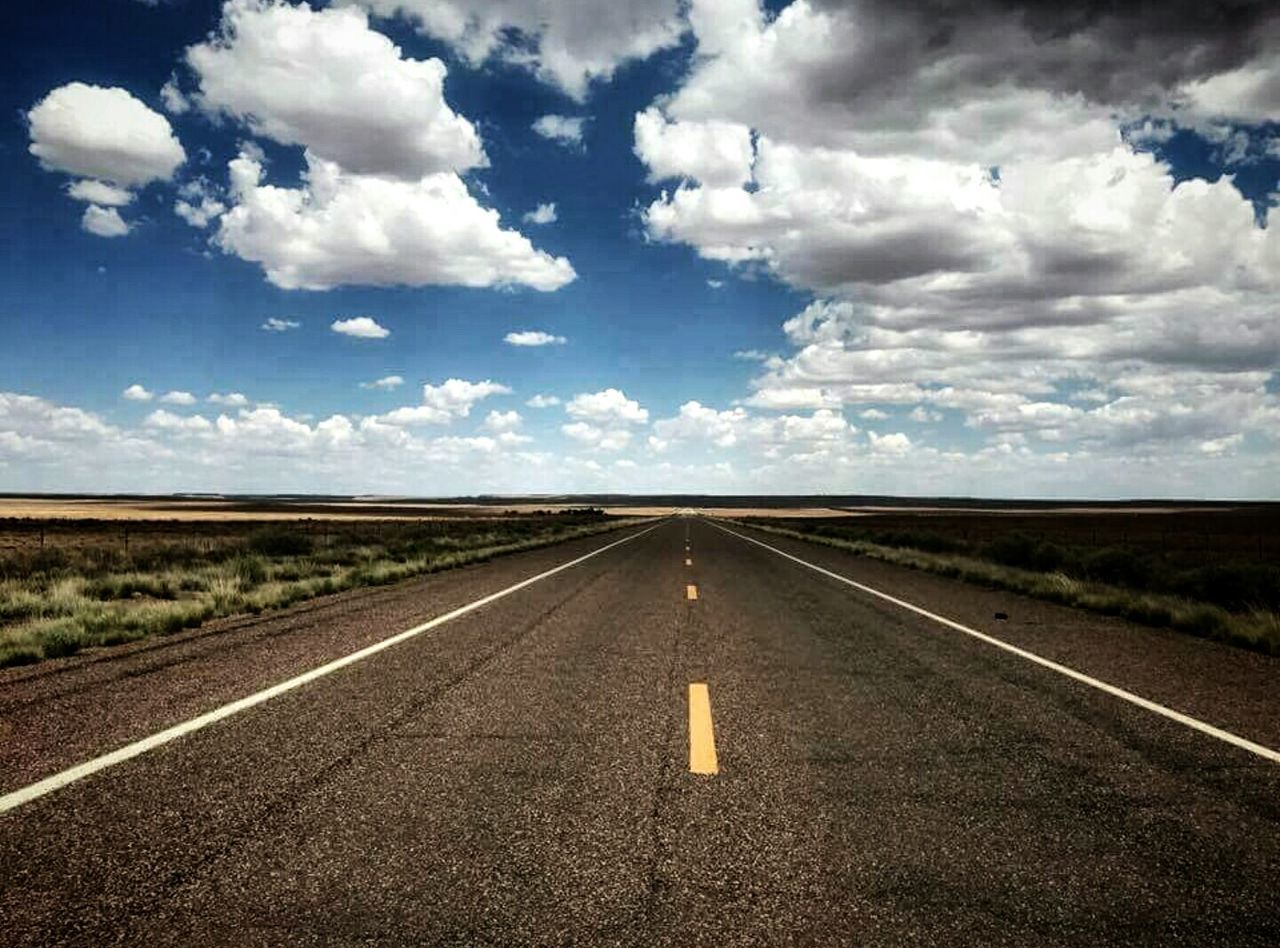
(702, 738)
(691, 591)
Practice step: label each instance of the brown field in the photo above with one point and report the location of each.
(189, 510)
(793, 513)
(1190, 535)
(36, 508)
(1186, 534)
(1212, 570)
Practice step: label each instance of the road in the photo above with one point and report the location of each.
(539, 770)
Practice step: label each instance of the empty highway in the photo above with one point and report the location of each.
(675, 734)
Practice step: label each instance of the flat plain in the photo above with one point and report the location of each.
(67, 585)
(519, 770)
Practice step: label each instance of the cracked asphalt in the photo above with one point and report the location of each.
(521, 774)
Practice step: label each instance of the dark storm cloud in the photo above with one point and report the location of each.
(1132, 53)
(850, 255)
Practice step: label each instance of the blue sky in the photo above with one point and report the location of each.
(803, 248)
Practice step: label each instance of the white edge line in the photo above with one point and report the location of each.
(18, 797)
(1129, 696)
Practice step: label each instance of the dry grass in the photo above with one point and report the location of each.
(56, 603)
(217, 511)
(789, 513)
(214, 511)
(1253, 628)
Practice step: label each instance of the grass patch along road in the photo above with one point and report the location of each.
(56, 601)
(1233, 603)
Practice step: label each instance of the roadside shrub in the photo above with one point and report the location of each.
(1119, 567)
(13, 655)
(117, 635)
(17, 604)
(224, 592)
(1206, 621)
(250, 570)
(1025, 552)
(171, 556)
(281, 542)
(126, 585)
(98, 561)
(1012, 549)
(1150, 613)
(98, 621)
(166, 618)
(49, 561)
(918, 540)
(62, 640)
(1235, 586)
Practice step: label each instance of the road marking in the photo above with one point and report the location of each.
(691, 591)
(688, 561)
(18, 797)
(702, 736)
(1152, 706)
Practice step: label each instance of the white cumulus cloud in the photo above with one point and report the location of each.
(104, 222)
(457, 396)
(386, 383)
(542, 214)
(175, 101)
(563, 129)
(443, 403)
(697, 421)
(894, 443)
(230, 399)
(568, 44)
(597, 437)
(984, 238)
(276, 324)
(381, 201)
(361, 327)
(100, 193)
(500, 421)
(715, 153)
(136, 393)
(410, 415)
(533, 337)
(201, 212)
(608, 405)
(325, 80)
(168, 421)
(343, 228)
(103, 134)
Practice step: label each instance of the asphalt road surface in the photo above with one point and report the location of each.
(539, 770)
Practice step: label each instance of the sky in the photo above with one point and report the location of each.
(449, 247)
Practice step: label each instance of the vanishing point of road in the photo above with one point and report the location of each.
(681, 733)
